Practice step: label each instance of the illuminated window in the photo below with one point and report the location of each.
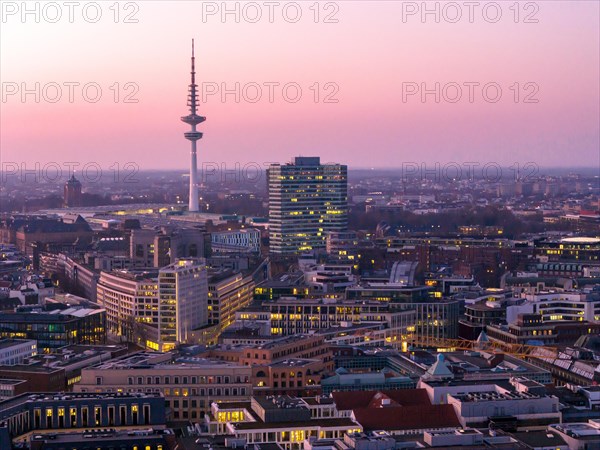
(297, 436)
(97, 415)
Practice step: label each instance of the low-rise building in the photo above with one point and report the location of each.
(189, 384)
(293, 316)
(344, 381)
(291, 364)
(532, 329)
(578, 435)
(56, 327)
(51, 411)
(283, 420)
(59, 370)
(245, 240)
(405, 411)
(560, 306)
(11, 388)
(481, 409)
(436, 317)
(107, 439)
(328, 278)
(342, 245)
(15, 351)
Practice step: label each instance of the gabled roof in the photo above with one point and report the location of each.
(381, 400)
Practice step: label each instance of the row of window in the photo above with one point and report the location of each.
(183, 392)
(183, 380)
(83, 417)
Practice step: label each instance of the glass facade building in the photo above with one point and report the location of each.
(56, 329)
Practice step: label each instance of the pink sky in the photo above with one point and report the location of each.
(369, 54)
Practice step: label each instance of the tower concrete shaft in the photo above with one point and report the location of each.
(193, 119)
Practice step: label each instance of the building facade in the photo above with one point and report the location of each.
(307, 199)
(246, 240)
(182, 301)
(14, 351)
(62, 411)
(152, 248)
(188, 384)
(129, 297)
(290, 316)
(55, 329)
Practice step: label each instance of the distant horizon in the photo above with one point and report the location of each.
(350, 167)
(376, 86)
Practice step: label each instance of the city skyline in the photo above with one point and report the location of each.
(367, 77)
(388, 235)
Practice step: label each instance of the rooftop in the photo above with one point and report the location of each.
(579, 430)
(323, 423)
(135, 275)
(158, 360)
(120, 436)
(362, 399)
(71, 397)
(493, 396)
(537, 439)
(407, 417)
(581, 240)
(279, 402)
(7, 381)
(294, 362)
(6, 343)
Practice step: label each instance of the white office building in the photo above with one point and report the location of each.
(14, 351)
(246, 240)
(183, 301)
(128, 297)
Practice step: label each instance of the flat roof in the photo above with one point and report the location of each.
(11, 381)
(71, 396)
(280, 402)
(537, 439)
(306, 424)
(581, 240)
(5, 343)
(101, 435)
(488, 396)
(158, 360)
(579, 430)
(293, 362)
(226, 405)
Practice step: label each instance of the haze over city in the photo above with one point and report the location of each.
(373, 58)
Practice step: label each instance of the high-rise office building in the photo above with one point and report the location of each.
(307, 199)
(182, 301)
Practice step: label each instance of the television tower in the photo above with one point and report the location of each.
(193, 119)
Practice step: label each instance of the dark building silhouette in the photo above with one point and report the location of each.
(47, 232)
(72, 192)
